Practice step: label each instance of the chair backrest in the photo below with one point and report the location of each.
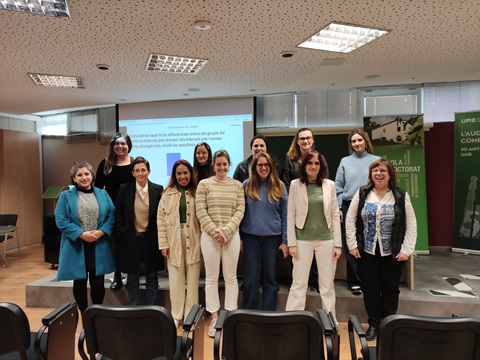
(418, 337)
(129, 332)
(8, 219)
(255, 335)
(14, 329)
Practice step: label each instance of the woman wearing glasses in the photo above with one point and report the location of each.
(302, 143)
(263, 232)
(136, 232)
(381, 234)
(179, 239)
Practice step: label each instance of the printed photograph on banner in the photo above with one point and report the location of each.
(400, 139)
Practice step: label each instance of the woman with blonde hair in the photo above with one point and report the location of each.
(179, 239)
(263, 232)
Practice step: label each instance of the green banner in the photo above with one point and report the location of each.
(400, 139)
(466, 227)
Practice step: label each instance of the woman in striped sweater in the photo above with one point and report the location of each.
(220, 207)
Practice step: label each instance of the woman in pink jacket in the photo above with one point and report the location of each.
(313, 229)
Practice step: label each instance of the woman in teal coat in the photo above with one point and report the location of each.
(85, 216)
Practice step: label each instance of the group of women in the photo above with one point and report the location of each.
(204, 213)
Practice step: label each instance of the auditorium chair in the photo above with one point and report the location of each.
(141, 332)
(16, 340)
(418, 338)
(266, 335)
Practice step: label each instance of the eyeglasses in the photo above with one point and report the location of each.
(308, 138)
(379, 171)
(266, 166)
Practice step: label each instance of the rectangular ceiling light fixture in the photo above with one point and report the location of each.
(58, 8)
(342, 38)
(58, 81)
(174, 64)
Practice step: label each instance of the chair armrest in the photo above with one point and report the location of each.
(325, 321)
(355, 325)
(331, 334)
(81, 345)
(218, 332)
(193, 323)
(42, 355)
(54, 314)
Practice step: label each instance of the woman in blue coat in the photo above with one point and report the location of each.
(85, 216)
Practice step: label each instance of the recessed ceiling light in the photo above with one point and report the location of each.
(193, 89)
(203, 25)
(374, 76)
(102, 67)
(287, 54)
(57, 8)
(413, 78)
(174, 64)
(58, 81)
(343, 38)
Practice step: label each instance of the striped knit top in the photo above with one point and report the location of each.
(220, 204)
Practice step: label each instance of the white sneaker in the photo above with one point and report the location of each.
(211, 327)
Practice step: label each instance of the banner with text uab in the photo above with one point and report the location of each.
(466, 227)
(400, 139)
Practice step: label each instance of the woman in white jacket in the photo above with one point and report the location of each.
(313, 229)
(179, 239)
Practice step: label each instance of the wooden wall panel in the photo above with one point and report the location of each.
(20, 183)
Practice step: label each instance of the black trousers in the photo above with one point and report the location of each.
(97, 290)
(380, 278)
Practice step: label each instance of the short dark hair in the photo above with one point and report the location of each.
(80, 165)
(140, 160)
(391, 171)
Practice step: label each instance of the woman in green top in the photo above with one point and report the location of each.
(313, 229)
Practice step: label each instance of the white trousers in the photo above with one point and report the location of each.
(323, 251)
(183, 282)
(213, 254)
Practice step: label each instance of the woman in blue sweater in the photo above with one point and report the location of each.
(263, 232)
(351, 174)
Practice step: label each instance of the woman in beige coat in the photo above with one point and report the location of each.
(179, 239)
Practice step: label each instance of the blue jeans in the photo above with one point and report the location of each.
(133, 288)
(352, 264)
(260, 257)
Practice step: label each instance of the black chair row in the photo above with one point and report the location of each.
(16, 340)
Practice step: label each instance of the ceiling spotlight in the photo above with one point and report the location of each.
(286, 54)
(102, 67)
(374, 76)
(413, 78)
(203, 25)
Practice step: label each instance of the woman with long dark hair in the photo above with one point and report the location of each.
(179, 239)
(313, 231)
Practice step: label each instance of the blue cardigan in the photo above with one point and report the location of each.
(72, 257)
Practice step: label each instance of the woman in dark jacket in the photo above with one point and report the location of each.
(136, 232)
